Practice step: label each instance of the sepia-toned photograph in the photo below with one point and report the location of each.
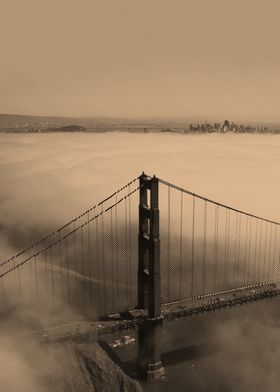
(139, 196)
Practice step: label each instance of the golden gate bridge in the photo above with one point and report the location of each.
(151, 252)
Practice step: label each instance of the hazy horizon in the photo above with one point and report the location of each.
(168, 120)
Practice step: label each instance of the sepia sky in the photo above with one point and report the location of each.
(209, 58)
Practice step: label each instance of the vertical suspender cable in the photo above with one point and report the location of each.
(117, 246)
(103, 258)
(112, 260)
(260, 248)
(235, 249)
(97, 249)
(52, 278)
(238, 250)
(36, 277)
(274, 272)
(264, 264)
(129, 247)
(204, 249)
(247, 278)
(255, 270)
(45, 262)
(193, 244)
(83, 267)
(99, 283)
(215, 252)
(215, 266)
(126, 252)
(181, 245)
(269, 253)
(225, 251)
(168, 243)
(30, 262)
(228, 249)
(67, 269)
(76, 265)
(244, 261)
(88, 259)
(30, 269)
(60, 264)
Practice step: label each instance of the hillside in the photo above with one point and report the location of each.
(64, 367)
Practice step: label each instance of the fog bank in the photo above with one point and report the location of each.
(48, 179)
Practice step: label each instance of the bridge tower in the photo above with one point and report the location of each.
(149, 282)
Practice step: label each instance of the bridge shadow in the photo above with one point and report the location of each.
(169, 358)
(186, 354)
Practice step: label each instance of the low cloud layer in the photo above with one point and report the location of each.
(48, 179)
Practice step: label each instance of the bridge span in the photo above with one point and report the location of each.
(148, 254)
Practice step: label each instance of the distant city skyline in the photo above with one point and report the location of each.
(153, 59)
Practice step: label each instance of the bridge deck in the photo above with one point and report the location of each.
(218, 301)
(85, 331)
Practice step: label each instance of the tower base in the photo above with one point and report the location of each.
(155, 372)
